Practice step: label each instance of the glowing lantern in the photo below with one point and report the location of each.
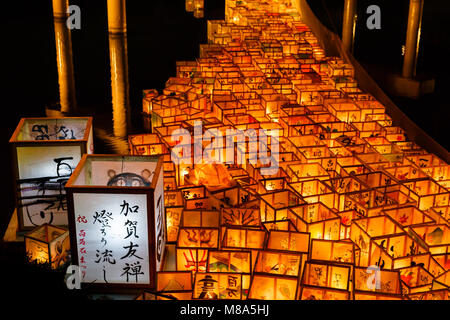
(190, 5)
(195, 260)
(210, 175)
(220, 286)
(335, 251)
(317, 219)
(374, 284)
(46, 151)
(199, 8)
(117, 221)
(435, 238)
(278, 263)
(48, 244)
(415, 279)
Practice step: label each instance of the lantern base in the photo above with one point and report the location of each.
(410, 88)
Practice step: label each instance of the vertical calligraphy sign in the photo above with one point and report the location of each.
(112, 238)
(160, 222)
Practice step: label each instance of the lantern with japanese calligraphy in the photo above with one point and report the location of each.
(48, 244)
(325, 276)
(116, 219)
(269, 287)
(46, 151)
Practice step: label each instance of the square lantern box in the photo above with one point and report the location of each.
(317, 219)
(364, 229)
(409, 216)
(325, 276)
(386, 251)
(232, 261)
(174, 284)
(315, 191)
(435, 238)
(426, 260)
(116, 218)
(221, 286)
(443, 294)
(275, 205)
(347, 218)
(415, 279)
(312, 293)
(45, 152)
(48, 244)
(382, 285)
(279, 225)
(335, 251)
(427, 193)
(278, 263)
(442, 281)
(268, 287)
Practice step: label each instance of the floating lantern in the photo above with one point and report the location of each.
(46, 152)
(117, 221)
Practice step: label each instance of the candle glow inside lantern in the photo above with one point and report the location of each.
(117, 221)
(352, 193)
(46, 151)
(48, 244)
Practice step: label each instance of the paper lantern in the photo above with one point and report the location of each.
(386, 250)
(117, 221)
(311, 293)
(235, 237)
(199, 9)
(176, 284)
(326, 276)
(431, 295)
(435, 238)
(48, 244)
(275, 205)
(229, 261)
(46, 151)
(409, 216)
(173, 219)
(240, 217)
(195, 260)
(317, 219)
(333, 251)
(415, 279)
(221, 286)
(346, 221)
(424, 259)
(362, 230)
(280, 225)
(278, 263)
(198, 238)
